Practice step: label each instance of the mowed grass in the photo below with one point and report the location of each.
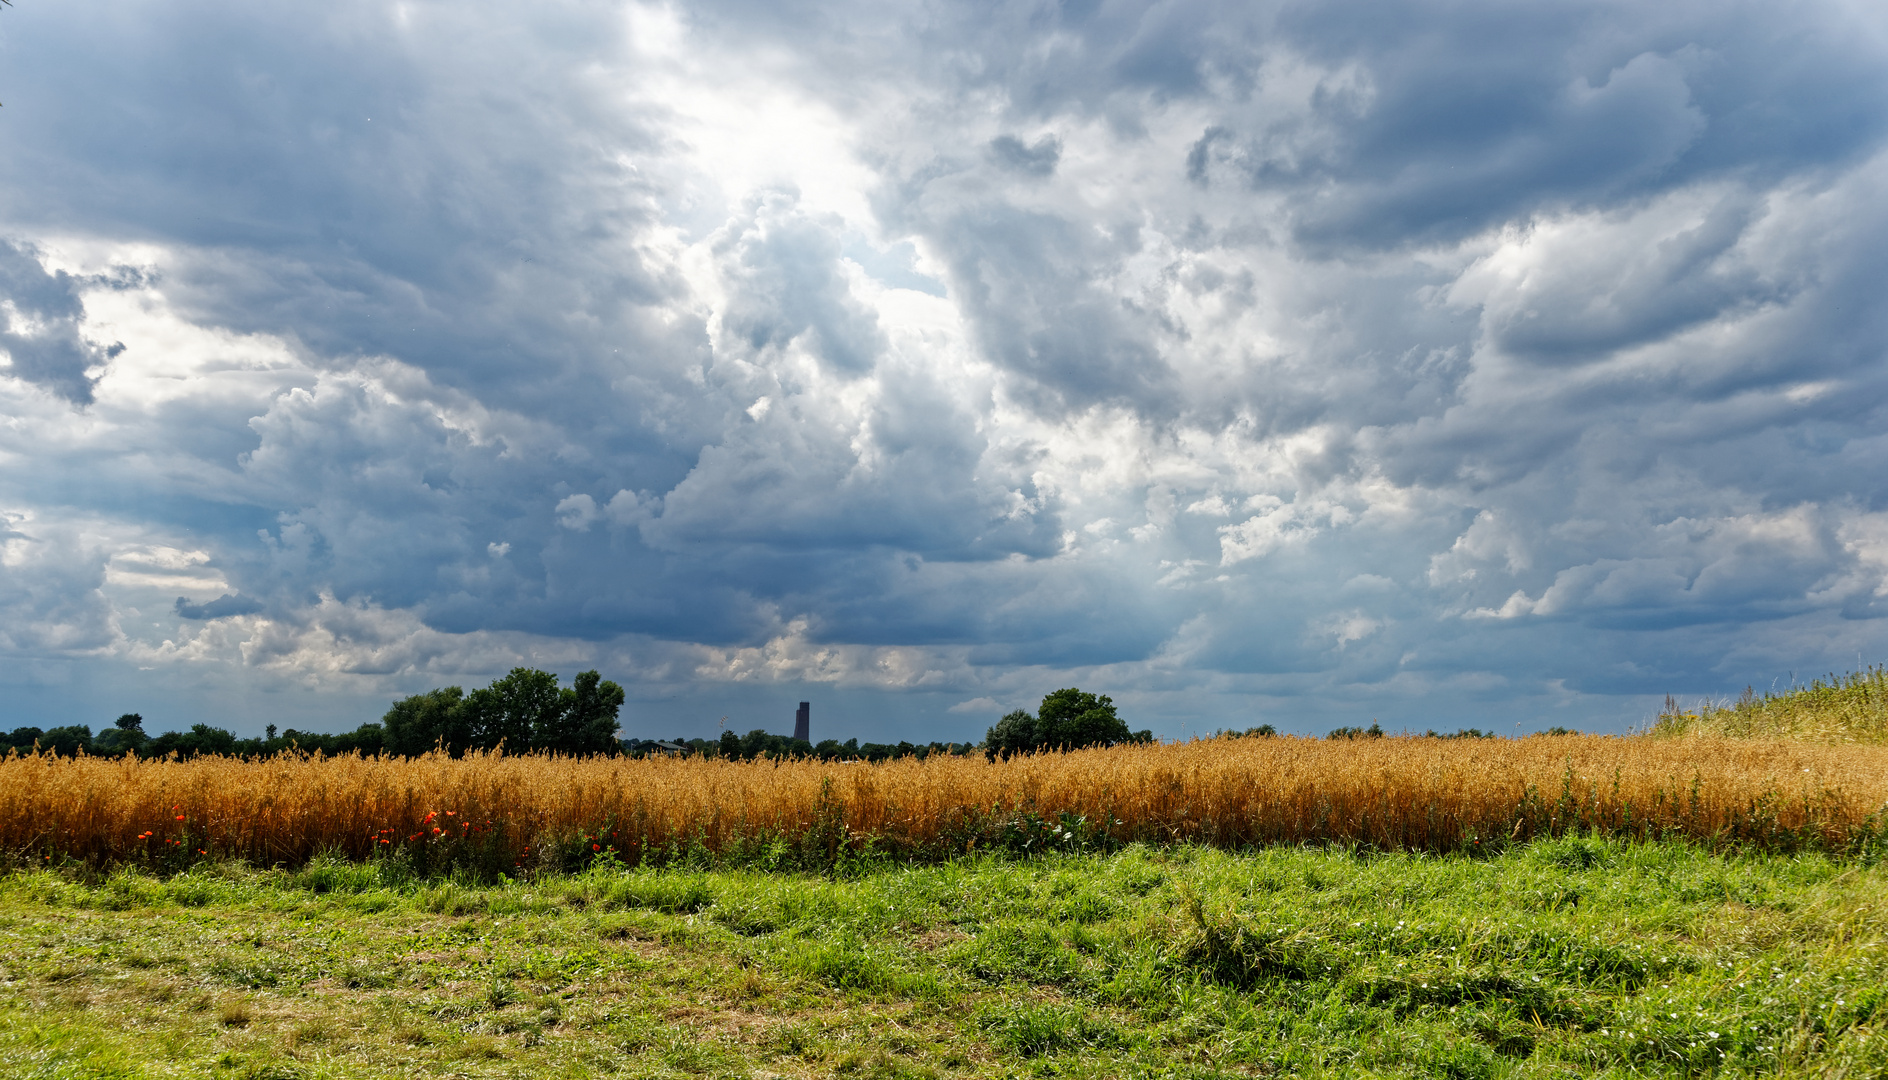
(1568, 957)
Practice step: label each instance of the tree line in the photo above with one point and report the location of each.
(758, 744)
(527, 711)
(1068, 719)
(524, 711)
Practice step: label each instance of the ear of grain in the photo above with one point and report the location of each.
(503, 812)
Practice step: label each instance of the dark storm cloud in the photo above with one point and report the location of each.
(50, 600)
(1456, 117)
(1687, 279)
(1037, 159)
(41, 337)
(220, 608)
(1459, 354)
(1027, 280)
(427, 190)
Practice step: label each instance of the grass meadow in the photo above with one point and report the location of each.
(1686, 902)
(1568, 957)
(1851, 708)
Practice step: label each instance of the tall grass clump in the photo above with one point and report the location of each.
(1850, 708)
(492, 813)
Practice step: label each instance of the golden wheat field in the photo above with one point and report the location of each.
(1392, 793)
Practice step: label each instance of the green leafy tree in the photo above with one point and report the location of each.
(417, 724)
(1014, 734)
(586, 721)
(200, 739)
(754, 743)
(368, 739)
(1067, 720)
(67, 741)
(126, 733)
(23, 738)
(525, 711)
(513, 709)
(1070, 719)
(1374, 731)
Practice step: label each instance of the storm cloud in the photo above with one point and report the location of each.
(1433, 363)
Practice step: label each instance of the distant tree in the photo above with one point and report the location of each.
(754, 743)
(1263, 731)
(1374, 731)
(24, 738)
(1014, 734)
(512, 709)
(126, 733)
(1068, 719)
(67, 741)
(200, 739)
(417, 724)
(368, 739)
(586, 722)
(760, 743)
(524, 711)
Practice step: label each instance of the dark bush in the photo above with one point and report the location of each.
(1374, 731)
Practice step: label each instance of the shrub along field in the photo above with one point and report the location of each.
(1568, 957)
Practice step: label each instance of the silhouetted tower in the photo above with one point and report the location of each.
(803, 722)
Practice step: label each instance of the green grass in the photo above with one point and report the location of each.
(1567, 958)
(1851, 708)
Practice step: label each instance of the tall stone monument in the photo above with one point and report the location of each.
(803, 722)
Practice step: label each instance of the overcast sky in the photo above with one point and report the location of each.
(1446, 364)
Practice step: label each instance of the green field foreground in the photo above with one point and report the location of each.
(1570, 957)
